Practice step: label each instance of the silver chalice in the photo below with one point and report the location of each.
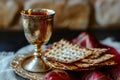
(38, 26)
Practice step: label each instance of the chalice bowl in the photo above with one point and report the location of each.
(38, 26)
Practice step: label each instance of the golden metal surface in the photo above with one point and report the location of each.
(17, 65)
(38, 26)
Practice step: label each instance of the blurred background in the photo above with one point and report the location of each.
(99, 17)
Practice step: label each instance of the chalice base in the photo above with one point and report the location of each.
(35, 64)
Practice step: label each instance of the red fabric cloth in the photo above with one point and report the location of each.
(88, 40)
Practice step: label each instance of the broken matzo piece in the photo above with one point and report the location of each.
(97, 52)
(87, 65)
(78, 66)
(65, 52)
(102, 58)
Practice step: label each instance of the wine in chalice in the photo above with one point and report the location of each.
(38, 26)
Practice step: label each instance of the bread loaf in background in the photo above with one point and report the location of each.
(8, 13)
(70, 14)
(77, 15)
(107, 12)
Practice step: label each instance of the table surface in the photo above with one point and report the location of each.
(14, 40)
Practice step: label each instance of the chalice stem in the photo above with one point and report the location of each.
(38, 57)
(38, 50)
